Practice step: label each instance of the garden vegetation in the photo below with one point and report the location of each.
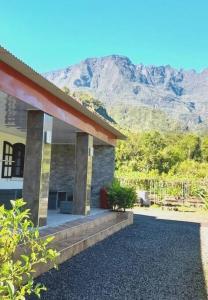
(21, 251)
(178, 161)
(121, 197)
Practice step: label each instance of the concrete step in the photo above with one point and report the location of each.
(74, 228)
(85, 235)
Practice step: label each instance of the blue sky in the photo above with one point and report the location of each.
(51, 34)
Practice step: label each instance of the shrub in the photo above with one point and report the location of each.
(17, 234)
(121, 197)
(201, 191)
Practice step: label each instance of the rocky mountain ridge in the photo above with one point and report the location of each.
(143, 92)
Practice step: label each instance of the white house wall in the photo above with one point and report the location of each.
(9, 183)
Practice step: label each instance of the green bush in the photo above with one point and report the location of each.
(201, 191)
(121, 197)
(17, 234)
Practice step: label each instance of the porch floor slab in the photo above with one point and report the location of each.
(55, 218)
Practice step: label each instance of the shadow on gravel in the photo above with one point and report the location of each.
(151, 259)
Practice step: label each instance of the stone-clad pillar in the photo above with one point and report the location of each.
(37, 165)
(102, 171)
(83, 174)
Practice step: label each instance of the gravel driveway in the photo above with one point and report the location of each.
(155, 258)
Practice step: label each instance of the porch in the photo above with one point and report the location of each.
(57, 155)
(58, 162)
(52, 148)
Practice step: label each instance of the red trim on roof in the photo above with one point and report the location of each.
(17, 85)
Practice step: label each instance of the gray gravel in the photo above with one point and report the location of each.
(151, 259)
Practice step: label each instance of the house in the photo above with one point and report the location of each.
(52, 148)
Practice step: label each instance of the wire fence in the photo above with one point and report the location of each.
(194, 192)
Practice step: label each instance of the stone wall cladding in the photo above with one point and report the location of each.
(103, 171)
(63, 169)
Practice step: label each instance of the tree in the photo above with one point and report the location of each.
(147, 152)
(204, 149)
(190, 147)
(152, 145)
(90, 102)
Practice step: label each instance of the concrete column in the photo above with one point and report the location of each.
(83, 174)
(37, 165)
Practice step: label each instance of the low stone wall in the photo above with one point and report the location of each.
(63, 169)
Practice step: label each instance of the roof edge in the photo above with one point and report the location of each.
(37, 78)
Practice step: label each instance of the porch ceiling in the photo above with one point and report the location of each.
(13, 120)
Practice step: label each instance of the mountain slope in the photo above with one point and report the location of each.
(180, 96)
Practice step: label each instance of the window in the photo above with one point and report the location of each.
(13, 160)
(18, 160)
(7, 160)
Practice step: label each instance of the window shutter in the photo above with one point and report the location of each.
(7, 160)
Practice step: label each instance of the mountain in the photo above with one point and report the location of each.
(141, 97)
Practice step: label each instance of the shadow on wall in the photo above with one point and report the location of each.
(151, 259)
